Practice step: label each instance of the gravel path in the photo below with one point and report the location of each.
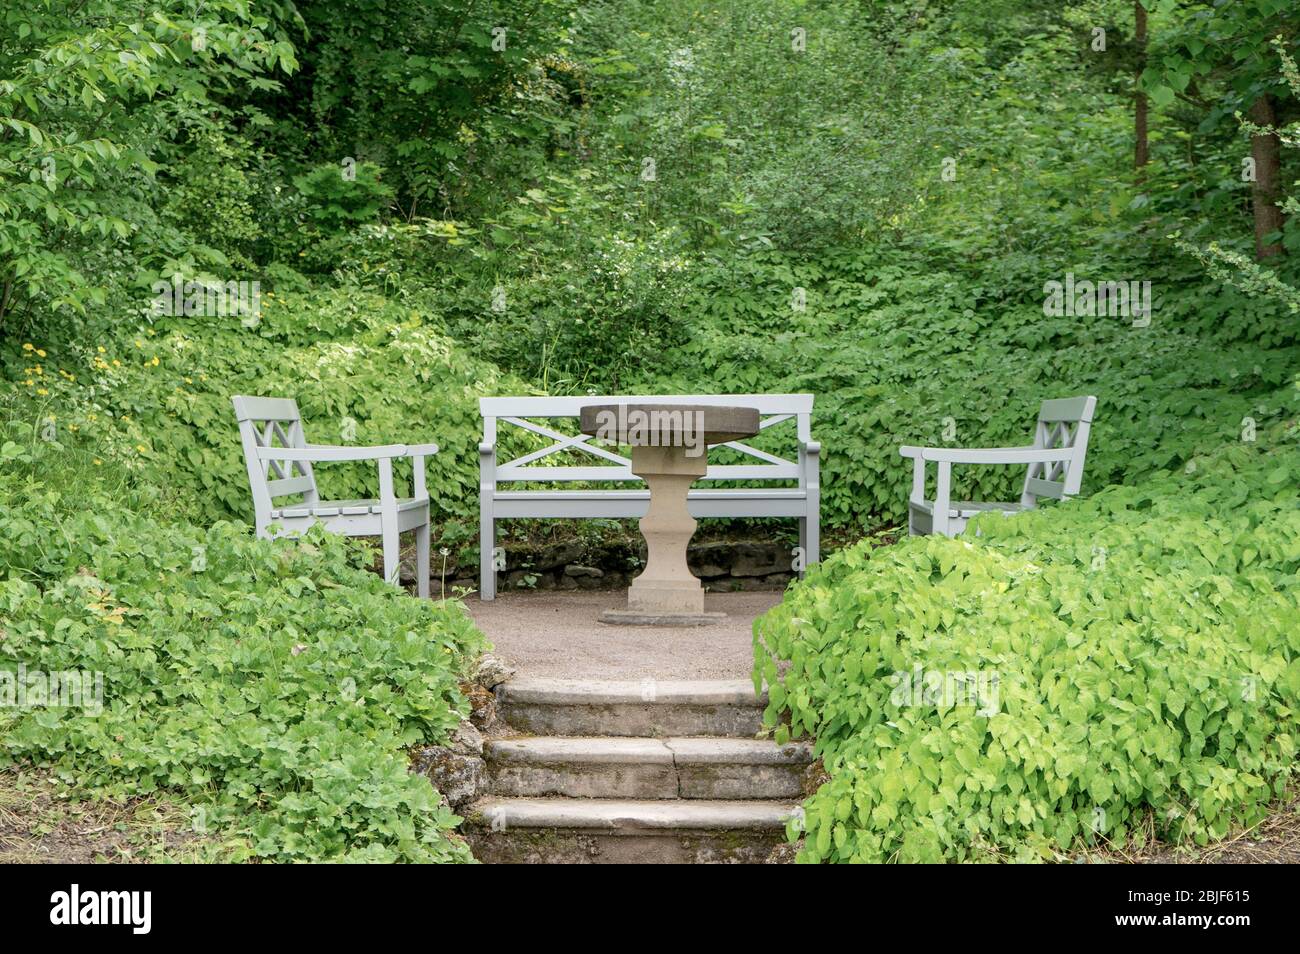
(557, 634)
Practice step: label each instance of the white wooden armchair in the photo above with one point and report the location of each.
(1055, 462)
(285, 469)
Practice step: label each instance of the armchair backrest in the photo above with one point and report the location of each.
(1062, 423)
(272, 422)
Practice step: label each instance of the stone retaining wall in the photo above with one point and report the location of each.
(723, 565)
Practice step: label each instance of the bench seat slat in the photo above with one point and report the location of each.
(968, 508)
(615, 504)
(333, 508)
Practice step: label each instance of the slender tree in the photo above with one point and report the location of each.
(1266, 190)
(1141, 148)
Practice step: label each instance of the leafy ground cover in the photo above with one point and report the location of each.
(1058, 678)
(275, 687)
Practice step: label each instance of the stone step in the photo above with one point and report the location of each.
(616, 831)
(649, 707)
(705, 768)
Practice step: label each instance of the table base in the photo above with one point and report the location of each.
(633, 618)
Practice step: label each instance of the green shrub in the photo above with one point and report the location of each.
(898, 350)
(156, 397)
(274, 685)
(1146, 649)
(339, 196)
(211, 200)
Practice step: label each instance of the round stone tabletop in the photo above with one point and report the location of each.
(667, 425)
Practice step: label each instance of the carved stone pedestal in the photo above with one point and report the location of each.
(669, 452)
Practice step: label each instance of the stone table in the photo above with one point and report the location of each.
(669, 452)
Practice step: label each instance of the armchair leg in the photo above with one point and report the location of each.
(422, 535)
(803, 544)
(392, 553)
(487, 585)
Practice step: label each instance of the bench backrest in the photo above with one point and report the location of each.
(1064, 422)
(525, 412)
(271, 422)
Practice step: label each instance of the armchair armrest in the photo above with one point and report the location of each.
(323, 452)
(810, 466)
(987, 455)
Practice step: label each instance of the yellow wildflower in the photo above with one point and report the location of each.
(40, 352)
(28, 346)
(141, 448)
(42, 392)
(101, 350)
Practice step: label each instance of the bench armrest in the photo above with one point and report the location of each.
(323, 452)
(421, 450)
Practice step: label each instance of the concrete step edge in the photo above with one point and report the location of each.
(593, 692)
(699, 750)
(610, 814)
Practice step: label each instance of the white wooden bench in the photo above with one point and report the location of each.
(801, 501)
(279, 461)
(1055, 468)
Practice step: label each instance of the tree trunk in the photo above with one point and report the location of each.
(1265, 191)
(6, 297)
(1141, 150)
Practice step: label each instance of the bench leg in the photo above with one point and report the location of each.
(422, 534)
(487, 542)
(812, 539)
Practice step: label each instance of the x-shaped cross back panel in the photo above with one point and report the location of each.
(582, 442)
(267, 438)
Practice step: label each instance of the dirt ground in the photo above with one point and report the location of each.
(42, 823)
(558, 634)
(1275, 840)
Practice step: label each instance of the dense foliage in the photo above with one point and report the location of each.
(275, 686)
(1048, 681)
(441, 200)
(363, 369)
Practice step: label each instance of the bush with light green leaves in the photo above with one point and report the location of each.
(1054, 680)
(274, 686)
